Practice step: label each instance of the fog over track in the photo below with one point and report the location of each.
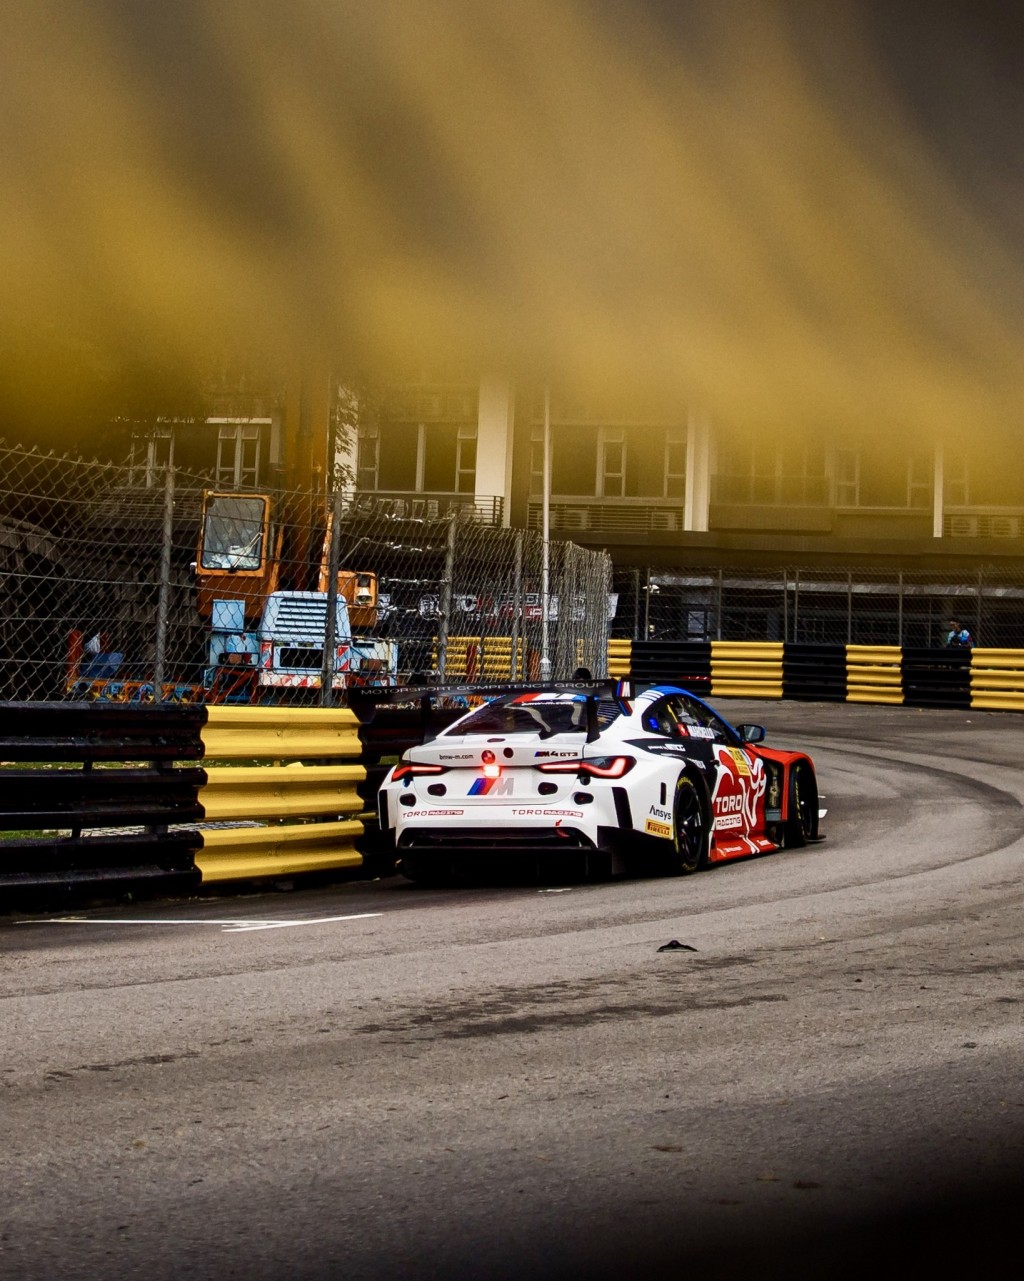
(499, 1080)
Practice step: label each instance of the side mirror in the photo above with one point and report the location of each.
(752, 733)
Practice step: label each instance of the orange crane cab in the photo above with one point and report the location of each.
(267, 632)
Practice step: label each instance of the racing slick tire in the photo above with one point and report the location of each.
(690, 832)
(802, 821)
(425, 871)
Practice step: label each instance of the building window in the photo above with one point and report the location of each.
(920, 479)
(956, 490)
(238, 453)
(675, 463)
(159, 450)
(432, 458)
(367, 456)
(465, 459)
(611, 463)
(847, 478)
(760, 473)
(884, 477)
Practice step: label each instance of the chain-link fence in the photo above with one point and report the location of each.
(823, 606)
(106, 589)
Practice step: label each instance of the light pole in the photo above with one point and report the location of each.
(545, 573)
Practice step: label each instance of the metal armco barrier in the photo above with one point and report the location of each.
(685, 663)
(473, 658)
(312, 808)
(997, 679)
(936, 677)
(620, 657)
(874, 674)
(95, 767)
(814, 672)
(746, 669)
(240, 733)
(988, 679)
(74, 771)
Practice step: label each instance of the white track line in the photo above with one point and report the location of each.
(228, 926)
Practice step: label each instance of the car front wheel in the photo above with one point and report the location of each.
(802, 820)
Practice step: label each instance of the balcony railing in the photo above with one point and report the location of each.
(484, 509)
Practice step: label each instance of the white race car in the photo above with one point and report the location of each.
(659, 779)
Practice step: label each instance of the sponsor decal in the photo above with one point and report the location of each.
(655, 812)
(700, 731)
(435, 814)
(546, 813)
(658, 829)
(740, 761)
(455, 756)
(503, 786)
(739, 789)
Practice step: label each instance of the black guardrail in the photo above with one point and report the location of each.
(814, 672)
(936, 677)
(686, 663)
(74, 771)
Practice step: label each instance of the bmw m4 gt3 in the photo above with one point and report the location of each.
(657, 780)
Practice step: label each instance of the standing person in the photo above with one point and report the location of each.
(958, 637)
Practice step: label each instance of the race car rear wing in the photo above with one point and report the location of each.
(438, 702)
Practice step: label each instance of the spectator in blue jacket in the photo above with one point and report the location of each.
(958, 637)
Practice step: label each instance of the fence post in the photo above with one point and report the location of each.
(718, 609)
(163, 600)
(849, 607)
(899, 610)
(517, 602)
(331, 612)
(796, 604)
(785, 605)
(444, 623)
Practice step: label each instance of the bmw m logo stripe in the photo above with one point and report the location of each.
(495, 786)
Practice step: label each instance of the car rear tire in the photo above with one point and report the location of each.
(425, 871)
(689, 829)
(802, 820)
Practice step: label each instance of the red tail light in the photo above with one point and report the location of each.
(408, 768)
(596, 766)
(607, 766)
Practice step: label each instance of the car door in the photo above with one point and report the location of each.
(738, 779)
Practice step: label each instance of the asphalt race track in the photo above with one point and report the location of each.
(376, 1080)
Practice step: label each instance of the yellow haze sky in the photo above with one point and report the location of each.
(748, 219)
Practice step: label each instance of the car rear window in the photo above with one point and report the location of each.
(545, 717)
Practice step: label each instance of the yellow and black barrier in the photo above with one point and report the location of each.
(620, 658)
(874, 674)
(746, 669)
(997, 679)
(483, 658)
(308, 811)
(988, 679)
